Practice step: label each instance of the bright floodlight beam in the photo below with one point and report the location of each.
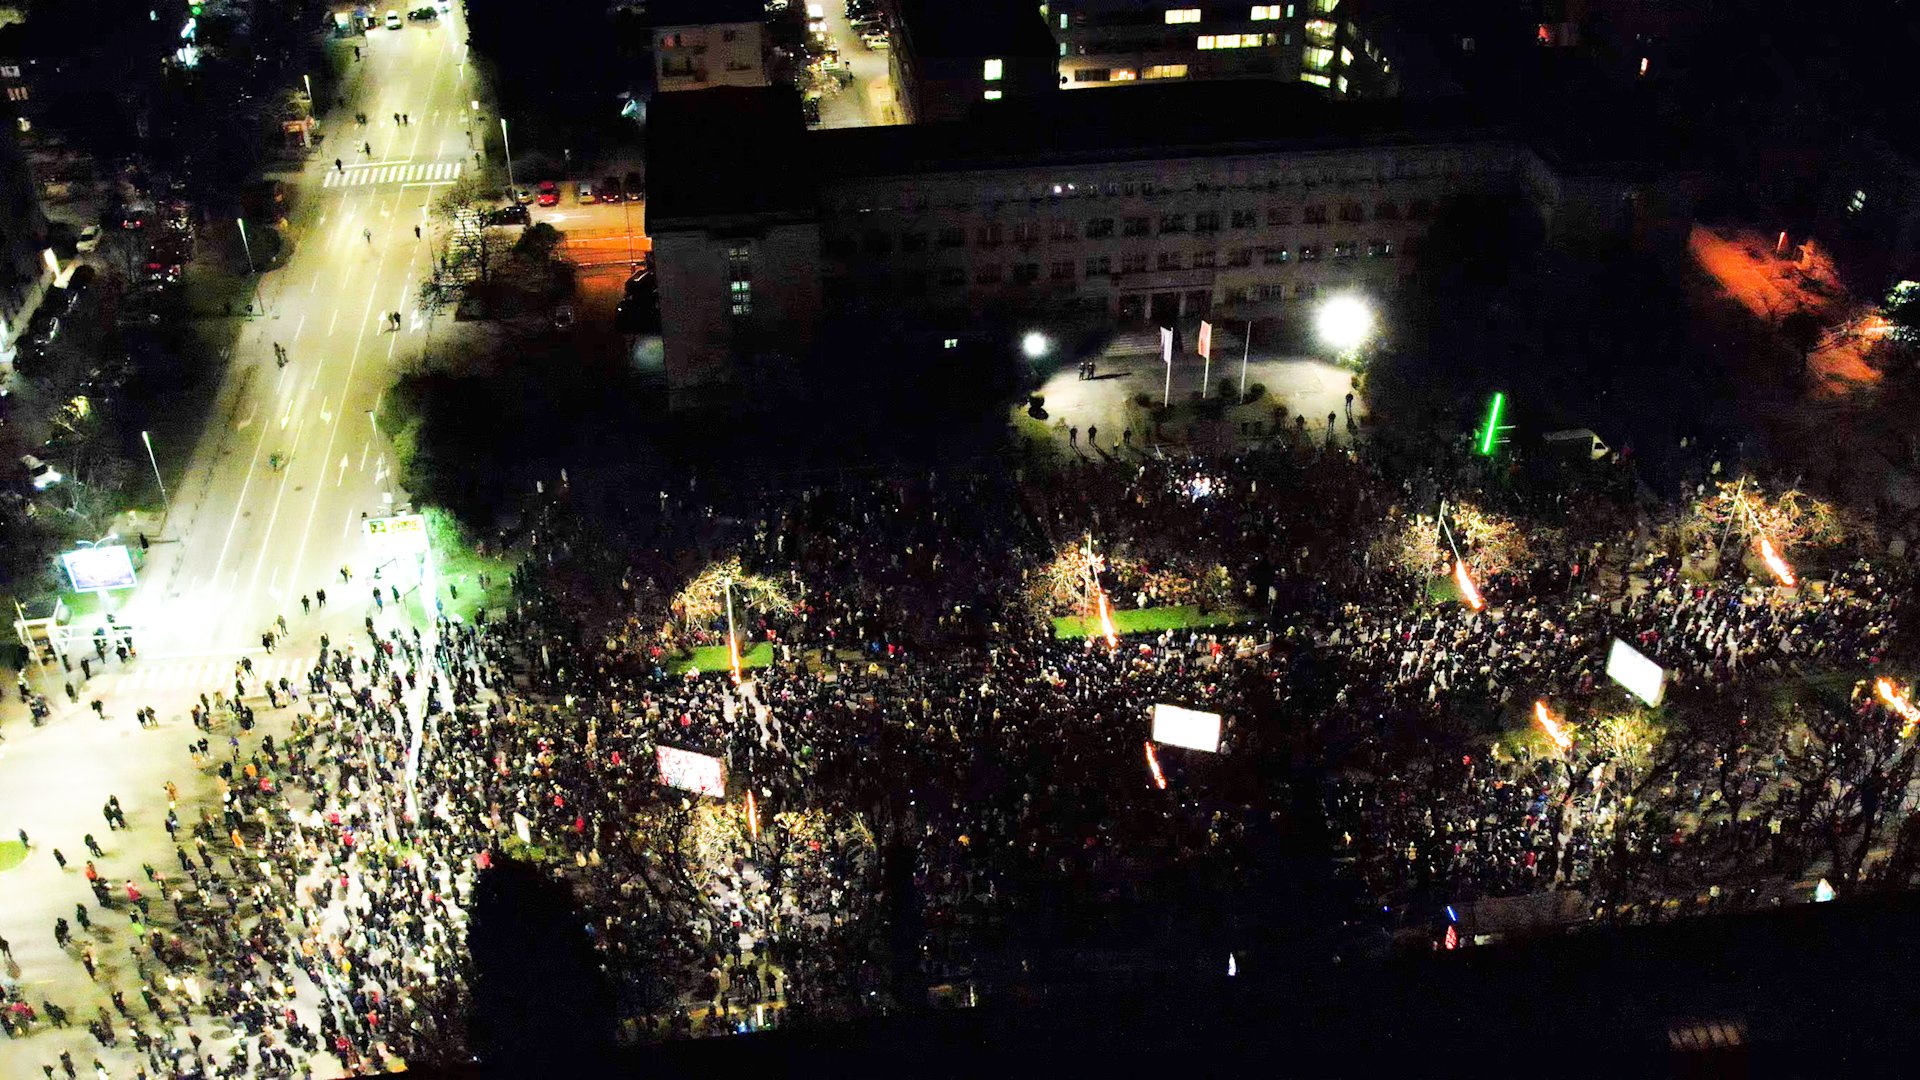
(1552, 727)
(1775, 563)
(1153, 766)
(1899, 703)
(1344, 322)
(1035, 344)
(1467, 590)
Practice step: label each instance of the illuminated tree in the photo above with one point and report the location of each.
(1411, 544)
(704, 599)
(1415, 545)
(1792, 519)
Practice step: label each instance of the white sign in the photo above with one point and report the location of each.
(1194, 730)
(693, 772)
(99, 568)
(403, 534)
(1644, 678)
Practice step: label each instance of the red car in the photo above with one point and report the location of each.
(549, 193)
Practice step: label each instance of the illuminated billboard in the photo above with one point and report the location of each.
(1194, 730)
(405, 534)
(1645, 679)
(688, 771)
(97, 569)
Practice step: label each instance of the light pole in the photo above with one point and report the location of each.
(165, 502)
(251, 272)
(507, 145)
(1245, 347)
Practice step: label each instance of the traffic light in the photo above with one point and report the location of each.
(1490, 436)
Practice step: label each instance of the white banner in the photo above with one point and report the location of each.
(1205, 345)
(1195, 730)
(1644, 678)
(1166, 344)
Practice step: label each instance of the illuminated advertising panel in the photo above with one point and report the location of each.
(1642, 677)
(1194, 730)
(688, 771)
(404, 534)
(96, 569)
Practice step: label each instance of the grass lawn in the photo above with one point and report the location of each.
(1151, 621)
(12, 854)
(460, 567)
(714, 658)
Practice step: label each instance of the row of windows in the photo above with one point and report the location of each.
(1136, 262)
(880, 242)
(1256, 12)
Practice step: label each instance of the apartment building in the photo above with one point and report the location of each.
(1143, 205)
(699, 44)
(1116, 42)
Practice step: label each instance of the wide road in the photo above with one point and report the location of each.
(270, 507)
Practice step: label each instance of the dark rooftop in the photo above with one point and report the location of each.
(1144, 122)
(976, 28)
(726, 151)
(704, 12)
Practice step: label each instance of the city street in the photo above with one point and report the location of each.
(291, 460)
(268, 511)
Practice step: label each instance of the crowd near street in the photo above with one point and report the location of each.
(928, 791)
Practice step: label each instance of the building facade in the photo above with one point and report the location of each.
(697, 46)
(25, 272)
(1116, 42)
(948, 59)
(1096, 211)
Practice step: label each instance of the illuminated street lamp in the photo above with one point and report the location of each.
(1035, 344)
(1345, 322)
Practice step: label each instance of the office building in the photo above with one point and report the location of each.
(949, 58)
(698, 44)
(1117, 42)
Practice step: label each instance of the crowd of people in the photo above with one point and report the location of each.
(928, 786)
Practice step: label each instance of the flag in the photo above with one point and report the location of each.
(1205, 347)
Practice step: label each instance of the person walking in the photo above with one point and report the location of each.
(306, 604)
(339, 166)
(320, 597)
(94, 847)
(6, 948)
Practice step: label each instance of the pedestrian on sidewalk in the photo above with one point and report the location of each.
(100, 708)
(306, 604)
(6, 949)
(93, 846)
(80, 916)
(320, 596)
(59, 858)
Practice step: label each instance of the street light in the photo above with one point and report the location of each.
(1344, 321)
(508, 147)
(1035, 344)
(165, 502)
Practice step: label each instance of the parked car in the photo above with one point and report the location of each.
(875, 42)
(522, 195)
(131, 218)
(585, 192)
(636, 187)
(393, 20)
(563, 317)
(89, 239)
(610, 189)
(509, 215)
(39, 473)
(549, 193)
(422, 14)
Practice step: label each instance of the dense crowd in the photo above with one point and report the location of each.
(944, 793)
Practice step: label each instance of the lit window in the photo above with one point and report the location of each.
(1233, 41)
(1316, 58)
(742, 292)
(1166, 71)
(1182, 15)
(1317, 80)
(1857, 203)
(1346, 56)
(1063, 20)
(954, 342)
(1123, 75)
(993, 70)
(992, 95)
(1342, 83)
(1320, 32)
(1325, 7)
(1264, 12)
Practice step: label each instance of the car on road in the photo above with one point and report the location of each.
(549, 193)
(393, 20)
(636, 187)
(563, 317)
(39, 473)
(89, 239)
(422, 14)
(585, 192)
(610, 189)
(131, 218)
(875, 42)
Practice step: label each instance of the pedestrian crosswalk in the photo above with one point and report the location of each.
(196, 675)
(411, 172)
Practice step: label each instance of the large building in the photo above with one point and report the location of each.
(698, 44)
(1136, 206)
(1115, 42)
(25, 272)
(947, 58)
